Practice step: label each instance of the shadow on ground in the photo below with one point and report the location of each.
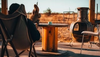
(68, 54)
(66, 50)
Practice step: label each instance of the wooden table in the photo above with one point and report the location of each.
(50, 36)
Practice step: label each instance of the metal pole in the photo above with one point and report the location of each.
(97, 12)
(37, 3)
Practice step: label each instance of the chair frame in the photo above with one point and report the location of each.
(96, 25)
(9, 40)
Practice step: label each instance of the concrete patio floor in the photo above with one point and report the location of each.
(64, 50)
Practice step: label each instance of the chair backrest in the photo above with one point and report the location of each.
(15, 24)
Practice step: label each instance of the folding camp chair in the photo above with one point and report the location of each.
(92, 34)
(16, 33)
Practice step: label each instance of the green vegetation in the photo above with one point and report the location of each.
(48, 11)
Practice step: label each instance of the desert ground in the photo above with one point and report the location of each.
(64, 34)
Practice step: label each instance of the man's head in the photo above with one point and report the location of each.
(13, 7)
(35, 6)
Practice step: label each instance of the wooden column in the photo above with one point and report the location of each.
(92, 13)
(4, 7)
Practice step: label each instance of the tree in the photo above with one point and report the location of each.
(48, 11)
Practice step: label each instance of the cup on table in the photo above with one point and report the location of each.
(49, 23)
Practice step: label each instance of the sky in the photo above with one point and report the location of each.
(55, 5)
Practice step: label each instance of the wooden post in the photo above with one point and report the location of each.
(92, 13)
(56, 39)
(4, 7)
(50, 38)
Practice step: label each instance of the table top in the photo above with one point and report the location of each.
(54, 24)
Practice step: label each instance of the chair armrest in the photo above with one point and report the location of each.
(90, 33)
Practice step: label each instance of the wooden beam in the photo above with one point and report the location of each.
(92, 14)
(4, 7)
(92, 11)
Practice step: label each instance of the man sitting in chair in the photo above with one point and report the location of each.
(35, 15)
(35, 35)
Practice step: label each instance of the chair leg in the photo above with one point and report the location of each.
(2, 50)
(7, 52)
(90, 45)
(71, 43)
(82, 44)
(34, 51)
(30, 50)
(21, 52)
(99, 38)
(14, 49)
(4, 47)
